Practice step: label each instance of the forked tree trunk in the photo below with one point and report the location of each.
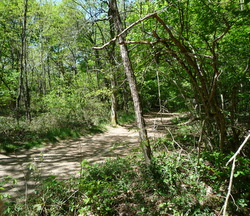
(132, 83)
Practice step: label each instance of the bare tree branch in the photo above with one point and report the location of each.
(215, 66)
(201, 55)
(139, 42)
(229, 189)
(106, 44)
(233, 158)
(125, 30)
(239, 149)
(224, 33)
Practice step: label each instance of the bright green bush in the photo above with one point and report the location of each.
(63, 118)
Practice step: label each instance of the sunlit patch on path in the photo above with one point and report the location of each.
(63, 159)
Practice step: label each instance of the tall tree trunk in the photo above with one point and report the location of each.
(23, 91)
(132, 83)
(111, 53)
(43, 86)
(25, 64)
(113, 101)
(125, 100)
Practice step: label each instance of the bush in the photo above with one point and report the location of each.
(126, 118)
(177, 178)
(52, 197)
(50, 126)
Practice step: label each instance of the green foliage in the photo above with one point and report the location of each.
(215, 173)
(126, 118)
(73, 108)
(43, 129)
(179, 181)
(53, 197)
(165, 143)
(69, 80)
(103, 184)
(171, 184)
(69, 85)
(4, 181)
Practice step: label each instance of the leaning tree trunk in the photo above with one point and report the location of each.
(132, 83)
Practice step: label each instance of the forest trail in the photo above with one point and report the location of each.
(63, 159)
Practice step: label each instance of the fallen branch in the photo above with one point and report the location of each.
(239, 149)
(232, 175)
(175, 140)
(190, 121)
(200, 140)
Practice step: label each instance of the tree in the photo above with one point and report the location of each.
(194, 52)
(10, 52)
(23, 90)
(197, 48)
(111, 53)
(132, 82)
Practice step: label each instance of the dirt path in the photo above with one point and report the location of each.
(63, 159)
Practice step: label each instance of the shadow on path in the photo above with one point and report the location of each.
(63, 159)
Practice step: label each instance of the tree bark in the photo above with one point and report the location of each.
(111, 53)
(23, 90)
(145, 145)
(113, 101)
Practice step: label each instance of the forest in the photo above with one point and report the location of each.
(70, 68)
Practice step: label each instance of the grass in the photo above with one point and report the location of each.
(25, 135)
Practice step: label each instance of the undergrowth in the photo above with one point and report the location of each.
(126, 118)
(171, 185)
(46, 128)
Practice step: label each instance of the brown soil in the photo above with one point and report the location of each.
(63, 159)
